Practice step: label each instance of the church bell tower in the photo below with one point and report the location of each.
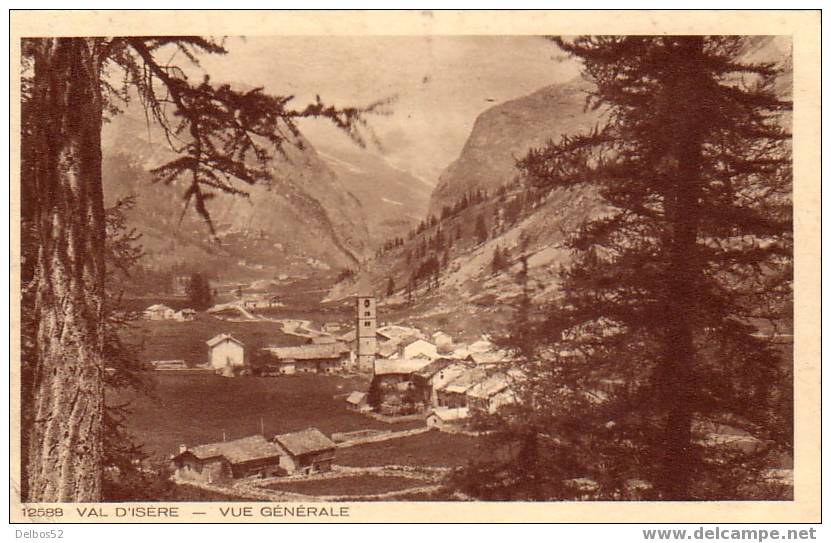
(365, 326)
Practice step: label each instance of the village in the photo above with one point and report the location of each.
(410, 381)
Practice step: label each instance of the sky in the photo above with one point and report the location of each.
(442, 83)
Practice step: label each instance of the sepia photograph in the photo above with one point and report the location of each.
(438, 267)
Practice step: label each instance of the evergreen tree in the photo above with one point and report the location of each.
(481, 229)
(497, 263)
(390, 286)
(657, 336)
(222, 139)
(199, 291)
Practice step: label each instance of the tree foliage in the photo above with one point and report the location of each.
(223, 140)
(200, 294)
(665, 332)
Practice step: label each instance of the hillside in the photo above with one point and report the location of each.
(443, 273)
(319, 212)
(393, 200)
(507, 131)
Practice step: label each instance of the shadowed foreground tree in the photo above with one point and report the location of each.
(663, 341)
(224, 139)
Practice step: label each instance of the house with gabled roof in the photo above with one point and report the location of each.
(310, 358)
(159, 312)
(391, 389)
(417, 348)
(225, 352)
(454, 393)
(442, 338)
(446, 417)
(357, 401)
(252, 456)
(489, 395)
(307, 451)
(426, 379)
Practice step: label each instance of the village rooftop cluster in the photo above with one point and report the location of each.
(413, 376)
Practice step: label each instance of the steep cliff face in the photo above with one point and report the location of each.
(471, 296)
(505, 133)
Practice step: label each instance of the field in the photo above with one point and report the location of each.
(193, 408)
(355, 485)
(428, 449)
(167, 340)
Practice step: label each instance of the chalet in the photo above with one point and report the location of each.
(460, 352)
(215, 462)
(481, 346)
(350, 339)
(400, 333)
(307, 451)
(489, 395)
(398, 370)
(439, 380)
(331, 327)
(417, 348)
(260, 301)
(454, 393)
(388, 349)
(446, 417)
(442, 339)
(159, 312)
(424, 380)
(185, 315)
(357, 401)
(488, 359)
(312, 358)
(391, 390)
(225, 352)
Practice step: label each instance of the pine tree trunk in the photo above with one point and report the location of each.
(683, 179)
(63, 424)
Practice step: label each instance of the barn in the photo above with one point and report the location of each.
(424, 379)
(225, 352)
(307, 451)
(446, 417)
(491, 394)
(215, 462)
(391, 390)
(310, 358)
(454, 393)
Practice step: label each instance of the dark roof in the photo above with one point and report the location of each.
(304, 441)
(309, 352)
(236, 451)
(434, 367)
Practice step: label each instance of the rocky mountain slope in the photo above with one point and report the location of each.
(469, 296)
(319, 212)
(505, 133)
(392, 200)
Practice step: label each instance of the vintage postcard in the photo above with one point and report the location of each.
(415, 266)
